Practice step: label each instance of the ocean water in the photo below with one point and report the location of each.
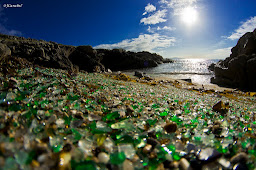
(194, 69)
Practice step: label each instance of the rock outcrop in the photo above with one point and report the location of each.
(239, 70)
(4, 51)
(51, 54)
(167, 60)
(119, 59)
(47, 54)
(87, 59)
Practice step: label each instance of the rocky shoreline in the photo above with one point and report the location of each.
(53, 55)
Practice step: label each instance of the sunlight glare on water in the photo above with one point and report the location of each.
(194, 69)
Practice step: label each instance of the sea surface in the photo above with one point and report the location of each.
(194, 69)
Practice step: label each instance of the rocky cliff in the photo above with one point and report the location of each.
(239, 70)
(51, 54)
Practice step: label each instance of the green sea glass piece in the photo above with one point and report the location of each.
(117, 158)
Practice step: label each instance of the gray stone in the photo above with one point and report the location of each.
(128, 165)
(239, 158)
(103, 157)
(211, 166)
(191, 148)
(184, 164)
(208, 154)
(225, 163)
(147, 149)
(138, 74)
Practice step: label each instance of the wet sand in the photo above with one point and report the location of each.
(185, 84)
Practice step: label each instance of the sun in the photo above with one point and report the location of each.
(189, 16)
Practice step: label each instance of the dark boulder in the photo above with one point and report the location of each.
(238, 70)
(87, 59)
(187, 80)
(138, 74)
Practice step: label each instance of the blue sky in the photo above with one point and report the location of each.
(172, 28)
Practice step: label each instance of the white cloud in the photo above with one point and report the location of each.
(149, 8)
(145, 42)
(150, 29)
(221, 53)
(178, 5)
(4, 30)
(247, 26)
(156, 18)
(165, 28)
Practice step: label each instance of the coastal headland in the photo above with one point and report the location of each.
(53, 55)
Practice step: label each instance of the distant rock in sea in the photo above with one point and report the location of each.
(51, 54)
(239, 70)
(167, 60)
